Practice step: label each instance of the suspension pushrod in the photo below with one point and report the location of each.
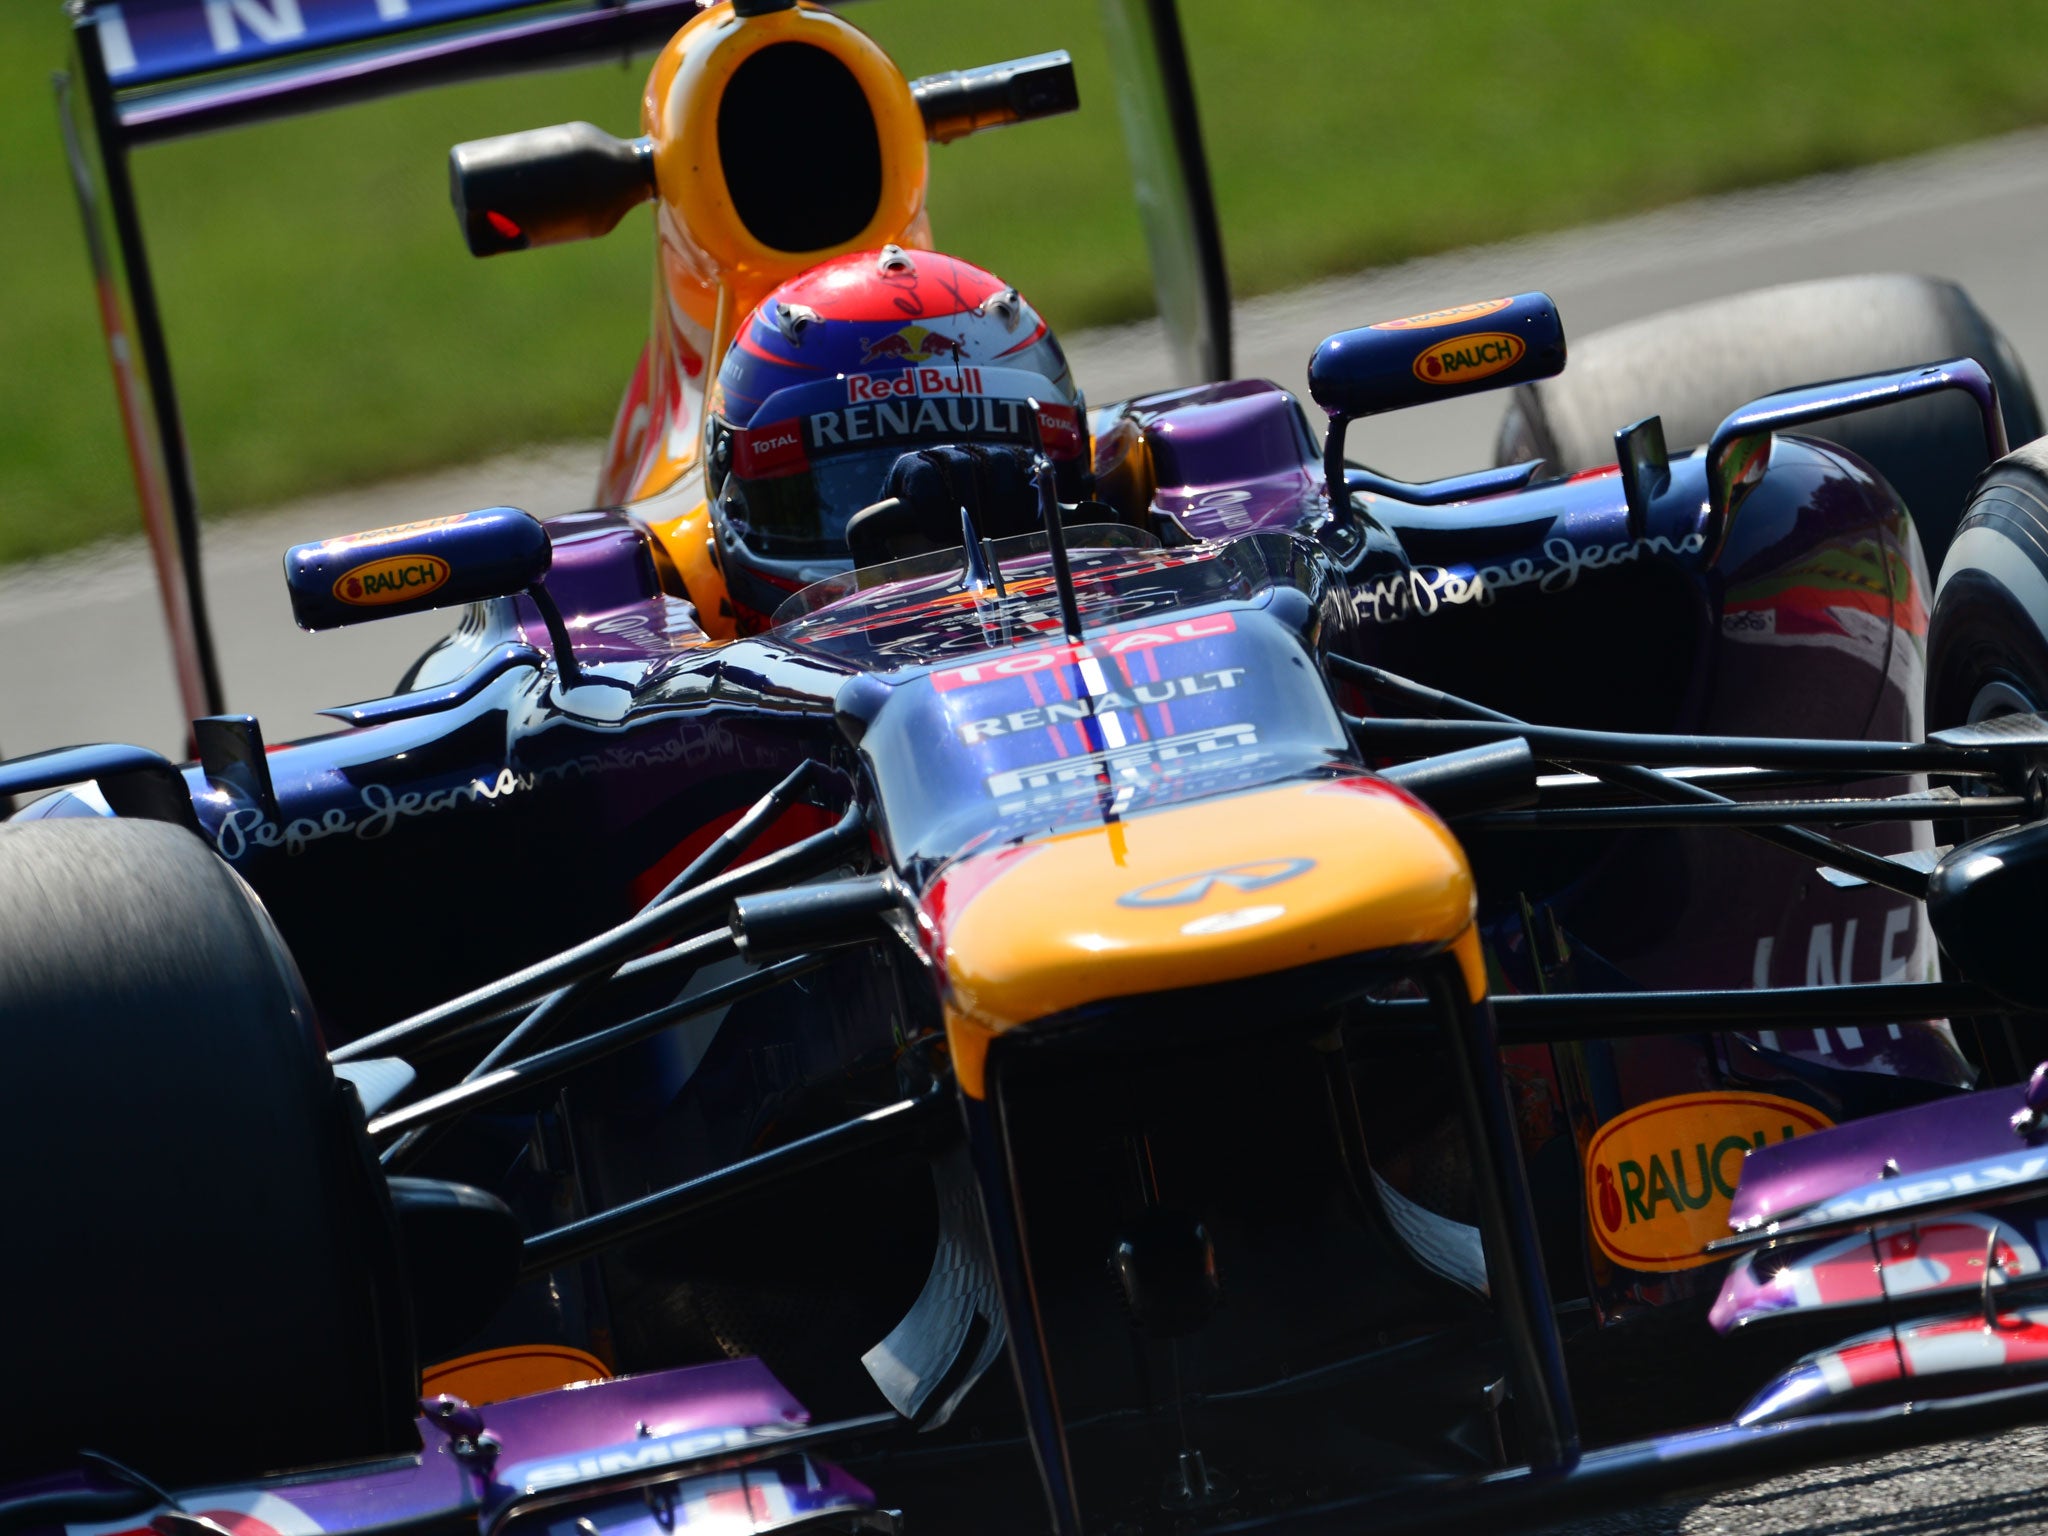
(690, 955)
(1559, 744)
(1871, 867)
(752, 823)
(1568, 1016)
(1744, 813)
(544, 1066)
(609, 949)
(707, 865)
(1577, 789)
(876, 1129)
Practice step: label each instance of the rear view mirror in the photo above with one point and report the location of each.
(1987, 901)
(995, 95)
(437, 563)
(1437, 356)
(546, 186)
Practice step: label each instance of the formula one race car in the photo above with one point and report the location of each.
(944, 952)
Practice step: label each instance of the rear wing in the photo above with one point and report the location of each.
(148, 71)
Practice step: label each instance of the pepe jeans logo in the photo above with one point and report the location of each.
(1186, 890)
(1427, 588)
(394, 579)
(1462, 359)
(381, 808)
(1660, 1178)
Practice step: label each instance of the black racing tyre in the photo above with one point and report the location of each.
(1987, 655)
(1987, 639)
(202, 1277)
(1693, 366)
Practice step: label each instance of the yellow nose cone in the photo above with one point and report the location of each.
(1219, 890)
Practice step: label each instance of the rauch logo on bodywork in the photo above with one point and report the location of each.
(1660, 1178)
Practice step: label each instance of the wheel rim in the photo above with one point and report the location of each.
(1999, 697)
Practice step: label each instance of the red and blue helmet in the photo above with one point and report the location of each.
(843, 370)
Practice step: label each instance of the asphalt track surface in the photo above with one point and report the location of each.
(1987, 1487)
(83, 661)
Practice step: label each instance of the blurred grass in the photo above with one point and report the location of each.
(328, 328)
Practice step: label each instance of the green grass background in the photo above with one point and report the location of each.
(327, 326)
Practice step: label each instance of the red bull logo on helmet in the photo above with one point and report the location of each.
(911, 344)
(912, 383)
(1661, 1177)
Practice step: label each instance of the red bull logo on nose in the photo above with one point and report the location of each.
(911, 344)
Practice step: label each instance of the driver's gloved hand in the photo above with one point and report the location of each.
(991, 481)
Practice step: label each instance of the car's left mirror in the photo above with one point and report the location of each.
(1986, 901)
(437, 563)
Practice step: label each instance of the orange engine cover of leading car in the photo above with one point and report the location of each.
(713, 266)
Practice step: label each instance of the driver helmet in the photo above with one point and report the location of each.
(842, 371)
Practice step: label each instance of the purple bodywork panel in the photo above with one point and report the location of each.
(1229, 459)
(596, 1447)
(1908, 1154)
(1787, 1177)
(604, 580)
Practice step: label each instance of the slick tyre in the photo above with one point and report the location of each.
(1987, 655)
(1987, 640)
(1693, 366)
(203, 1269)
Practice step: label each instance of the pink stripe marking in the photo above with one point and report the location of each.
(1038, 702)
(1165, 710)
(1137, 710)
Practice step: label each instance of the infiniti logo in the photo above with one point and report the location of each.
(1185, 890)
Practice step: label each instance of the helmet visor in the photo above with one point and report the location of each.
(824, 450)
(802, 515)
